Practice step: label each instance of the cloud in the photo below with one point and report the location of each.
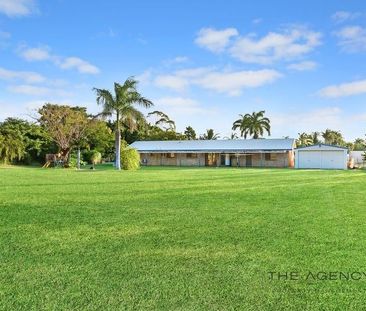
(26, 89)
(308, 121)
(173, 82)
(345, 89)
(26, 76)
(303, 66)
(179, 105)
(233, 83)
(215, 40)
(4, 35)
(14, 8)
(43, 54)
(228, 82)
(290, 44)
(80, 65)
(352, 39)
(36, 54)
(343, 16)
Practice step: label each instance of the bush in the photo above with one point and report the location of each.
(130, 159)
(96, 157)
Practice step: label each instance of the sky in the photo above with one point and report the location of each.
(201, 62)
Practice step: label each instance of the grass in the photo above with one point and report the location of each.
(180, 239)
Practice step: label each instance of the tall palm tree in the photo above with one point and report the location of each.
(121, 104)
(304, 140)
(253, 124)
(332, 137)
(210, 135)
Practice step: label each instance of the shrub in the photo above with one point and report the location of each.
(130, 159)
(96, 157)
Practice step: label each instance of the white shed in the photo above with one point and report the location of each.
(321, 157)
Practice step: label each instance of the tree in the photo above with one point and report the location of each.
(209, 135)
(66, 125)
(12, 145)
(359, 144)
(121, 104)
(304, 140)
(232, 136)
(33, 137)
(253, 124)
(332, 137)
(163, 120)
(190, 133)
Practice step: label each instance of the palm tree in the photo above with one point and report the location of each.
(332, 137)
(304, 140)
(232, 136)
(253, 124)
(121, 104)
(210, 135)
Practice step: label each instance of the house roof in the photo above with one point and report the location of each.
(322, 147)
(237, 145)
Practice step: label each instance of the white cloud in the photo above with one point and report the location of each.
(13, 8)
(215, 40)
(43, 53)
(343, 16)
(179, 105)
(233, 83)
(352, 39)
(173, 82)
(303, 66)
(4, 34)
(26, 89)
(36, 54)
(308, 121)
(290, 44)
(26, 76)
(345, 89)
(229, 82)
(29, 90)
(79, 64)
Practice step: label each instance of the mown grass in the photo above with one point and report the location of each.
(180, 239)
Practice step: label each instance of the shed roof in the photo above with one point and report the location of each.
(324, 147)
(215, 145)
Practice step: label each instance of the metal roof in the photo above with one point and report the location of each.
(236, 145)
(322, 147)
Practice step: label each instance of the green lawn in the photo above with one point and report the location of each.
(180, 239)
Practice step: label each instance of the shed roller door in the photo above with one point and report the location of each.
(321, 159)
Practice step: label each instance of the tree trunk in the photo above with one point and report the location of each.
(65, 156)
(118, 145)
(78, 160)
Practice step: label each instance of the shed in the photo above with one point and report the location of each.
(321, 157)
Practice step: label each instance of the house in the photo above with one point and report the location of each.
(240, 152)
(321, 157)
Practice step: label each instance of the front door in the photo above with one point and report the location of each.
(248, 160)
(210, 159)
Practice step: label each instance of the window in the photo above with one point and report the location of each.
(191, 155)
(270, 156)
(170, 155)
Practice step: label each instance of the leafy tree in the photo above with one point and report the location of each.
(99, 137)
(190, 133)
(95, 158)
(121, 104)
(209, 135)
(66, 125)
(359, 144)
(12, 145)
(253, 124)
(163, 120)
(34, 139)
(332, 137)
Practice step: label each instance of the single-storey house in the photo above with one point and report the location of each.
(240, 152)
(321, 157)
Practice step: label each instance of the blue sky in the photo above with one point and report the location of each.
(202, 62)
